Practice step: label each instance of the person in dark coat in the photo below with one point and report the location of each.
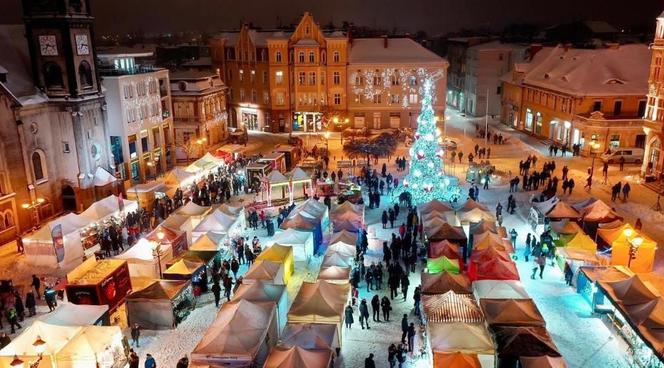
(387, 307)
(404, 328)
(375, 307)
(133, 359)
(216, 291)
(183, 362)
(12, 318)
(4, 340)
(348, 316)
(411, 337)
(20, 308)
(404, 285)
(235, 266)
(30, 304)
(369, 362)
(36, 283)
(135, 334)
(364, 314)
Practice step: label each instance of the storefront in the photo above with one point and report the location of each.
(307, 122)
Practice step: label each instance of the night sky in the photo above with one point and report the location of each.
(432, 16)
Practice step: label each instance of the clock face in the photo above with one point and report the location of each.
(48, 45)
(82, 45)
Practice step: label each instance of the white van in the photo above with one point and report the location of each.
(634, 155)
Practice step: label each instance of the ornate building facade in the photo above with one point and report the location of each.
(653, 163)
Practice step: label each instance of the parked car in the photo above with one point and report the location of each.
(630, 155)
(449, 144)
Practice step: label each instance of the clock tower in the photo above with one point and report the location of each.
(60, 40)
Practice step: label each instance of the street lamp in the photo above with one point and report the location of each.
(594, 146)
(156, 251)
(34, 206)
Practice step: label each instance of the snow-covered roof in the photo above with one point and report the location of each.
(591, 72)
(398, 50)
(15, 58)
(495, 45)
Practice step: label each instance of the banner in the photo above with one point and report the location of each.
(58, 242)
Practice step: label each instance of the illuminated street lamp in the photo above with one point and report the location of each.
(34, 207)
(156, 251)
(594, 147)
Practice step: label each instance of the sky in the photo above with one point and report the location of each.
(433, 16)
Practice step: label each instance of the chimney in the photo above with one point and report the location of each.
(567, 46)
(533, 50)
(385, 40)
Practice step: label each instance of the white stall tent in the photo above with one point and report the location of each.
(311, 336)
(297, 357)
(265, 271)
(68, 346)
(69, 314)
(179, 177)
(262, 291)
(191, 209)
(319, 302)
(108, 207)
(333, 258)
(343, 248)
(467, 338)
(344, 236)
(240, 336)
(39, 248)
(335, 274)
(301, 241)
(208, 241)
(180, 223)
(218, 222)
(499, 289)
(238, 212)
(142, 258)
(103, 177)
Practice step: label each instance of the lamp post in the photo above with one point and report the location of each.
(34, 207)
(594, 146)
(156, 251)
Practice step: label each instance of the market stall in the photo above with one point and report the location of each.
(301, 241)
(346, 237)
(205, 165)
(193, 211)
(516, 342)
(240, 336)
(105, 182)
(434, 205)
(208, 242)
(179, 178)
(300, 221)
(266, 271)
(146, 259)
(162, 305)
(180, 223)
(343, 248)
(459, 337)
(443, 264)
(469, 205)
(191, 270)
(451, 307)
(262, 291)
(496, 269)
(67, 346)
(332, 258)
(111, 206)
(320, 302)
(146, 193)
(456, 360)
(238, 212)
(297, 357)
(446, 232)
(475, 215)
(561, 210)
(489, 239)
(292, 154)
(301, 184)
(629, 247)
(443, 282)
(511, 312)
(499, 289)
(483, 256)
(42, 251)
(563, 231)
(169, 238)
(312, 336)
(257, 171)
(278, 188)
(70, 314)
(335, 274)
(219, 222)
(448, 216)
(579, 251)
(276, 160)
(281, 254)
(103, 282)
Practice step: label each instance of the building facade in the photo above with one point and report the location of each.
(305, 79)
(653, 163)
(485, 64)
(578, 96)
(199, 111)
(140, 122)
(457, 51)
(48, 67)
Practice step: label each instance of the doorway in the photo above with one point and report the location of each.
(68, 199)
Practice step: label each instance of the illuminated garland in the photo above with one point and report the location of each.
(364, 84)
(426, 179)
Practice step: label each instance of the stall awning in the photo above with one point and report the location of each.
(443, 282)
(451, 307)
(102, 177)
(511, 312)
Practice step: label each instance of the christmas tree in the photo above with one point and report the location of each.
(426, 179)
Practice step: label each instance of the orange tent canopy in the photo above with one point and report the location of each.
(455, 360)
(444, 248)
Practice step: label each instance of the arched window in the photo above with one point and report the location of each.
(263, 58)
(323, 57)
(277, 56)
(300, 57)
(38, 165)
(9, 219)
(52, 76)
(85, 74)
(336, 56)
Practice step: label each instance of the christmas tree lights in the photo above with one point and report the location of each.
(426, 179)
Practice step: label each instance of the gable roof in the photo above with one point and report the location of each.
(398, 51)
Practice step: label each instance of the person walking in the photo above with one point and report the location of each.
(364, 314)
(404, 285)
(417, 297)
(404, 328)
(135, 334)
(411, 337)
(133, 359)
(216, 291)
(393, 280)
(401, 355)
(375, 308)
(149, 361)
(31, 304)
(369, 362)
(626, 189)
(605, 173)
(36, 283)
(541, 260)
(348, 316)
(384, 219)
(12, 318)
(392, 355)
(622, 162)
(386, 306)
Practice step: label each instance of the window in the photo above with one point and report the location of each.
(85, 74)
(38, 165)
(252, 76)
(336, 78)
(312, 78)
(336, 56)
(413, 98)
(266, 97)
(614, 142)
(280, 98)
(395, 99)
(65, 147)
(263, 58)
(254, 96)
(529, 119)
(277, 56)
(241, 94)
(412, 81)
(300, 57)
(377, 98)
(278, 77)
(538, 124)
(302, 76)
(597, 106)
(617, 108)
(53, 76)
(307, 29)
(395, 78)
(241, 75)
(358, 78)
(230, 75)
(265, 77)
(312, 57)
(337, 98)
(377, 79)
(499, 89)
(642, 109)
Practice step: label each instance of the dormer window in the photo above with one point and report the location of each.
(614, 81)
(546, 76)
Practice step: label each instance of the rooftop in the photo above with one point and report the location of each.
(191, 75)
(398, 50)
(121, 52)
(496, 45)
(15, 58)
